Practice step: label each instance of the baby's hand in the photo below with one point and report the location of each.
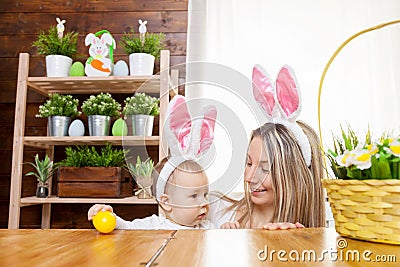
(230, 225)
(282, 226)
(96, 208)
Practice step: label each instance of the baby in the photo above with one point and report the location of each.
(184, 202)
(182, 185)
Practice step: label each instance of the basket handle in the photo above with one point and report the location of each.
(379, 26)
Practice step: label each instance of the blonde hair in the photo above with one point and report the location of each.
(297, 187)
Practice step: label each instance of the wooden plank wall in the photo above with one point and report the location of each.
(20, 20)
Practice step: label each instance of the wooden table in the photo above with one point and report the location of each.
(298, 247)
(73, 248)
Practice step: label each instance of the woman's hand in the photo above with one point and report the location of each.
(96, 208)
(230, 225)
(282, 226)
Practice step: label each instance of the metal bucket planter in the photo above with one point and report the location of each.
(58, 125)
(142, 125)
(99, 125)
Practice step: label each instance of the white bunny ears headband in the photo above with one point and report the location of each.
(281, 102)
(187, 138)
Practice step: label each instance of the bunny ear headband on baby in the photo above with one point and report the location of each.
(281, 102)
(187, 139)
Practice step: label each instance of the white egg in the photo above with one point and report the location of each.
(76, 128)
(121, 69)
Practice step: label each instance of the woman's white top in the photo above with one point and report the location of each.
(155, 222)
(219, 214)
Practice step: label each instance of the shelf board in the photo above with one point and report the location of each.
(27, 201)
(48, 141)
(91, 85)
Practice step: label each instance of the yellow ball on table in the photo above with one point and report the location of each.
(104, 221)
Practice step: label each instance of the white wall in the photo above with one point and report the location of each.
(361, 86)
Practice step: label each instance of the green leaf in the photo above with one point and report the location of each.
(381, 170)
(44, 169)
(101, 104)
(141, 168)
(332, 153)
(59, 105)
(395, 170)
(48, 43)
(141, 103)
(85, 156)
(152, 45)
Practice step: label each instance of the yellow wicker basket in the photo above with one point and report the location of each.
(363, 209)
(366, 209)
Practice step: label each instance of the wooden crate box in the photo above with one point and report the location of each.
(113, 182)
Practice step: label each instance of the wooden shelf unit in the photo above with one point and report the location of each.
(164, 84)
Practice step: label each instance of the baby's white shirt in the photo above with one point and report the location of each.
(155, 222)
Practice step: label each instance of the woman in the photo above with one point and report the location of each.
(282, 177)
(281, 191)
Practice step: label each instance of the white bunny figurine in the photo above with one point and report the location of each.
(60, 27)
(98, 64)
(142, 30)
(142, 27)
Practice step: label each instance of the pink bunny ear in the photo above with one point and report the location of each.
(263, 90)
(179, 121)
(207, 128)
(288, 93)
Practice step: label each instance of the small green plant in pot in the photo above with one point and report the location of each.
(100, 109)
(143, 47)
(44, 170)
(142, 172)
(141, 109)
(59, 109)
(60, 49)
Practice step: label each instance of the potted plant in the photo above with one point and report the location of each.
(100, 109)
(364, 196)
(88, 171)
(143, 49)
(44, 170)
(58, 48)
(141, 172)
(59, 109)
(141, 109)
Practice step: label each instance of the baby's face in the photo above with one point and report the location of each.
(188, 196)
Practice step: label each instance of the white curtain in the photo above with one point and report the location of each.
(362, 86)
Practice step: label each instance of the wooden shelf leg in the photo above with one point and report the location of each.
(175, 83)
(164, 100)
(46, 208)
(46, 215)
(18, 143)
